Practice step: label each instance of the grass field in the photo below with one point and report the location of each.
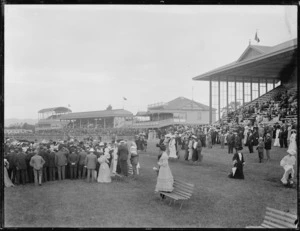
(218, 201)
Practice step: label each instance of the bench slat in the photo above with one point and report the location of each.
(183, 192)
(279, 222)
(182, 188)
(183, 195)
(287, 219)
(272, 224)
(183, 182)
(283, 213)
(172, 195)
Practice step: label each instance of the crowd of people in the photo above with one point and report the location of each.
(90, 159)
(277, 108)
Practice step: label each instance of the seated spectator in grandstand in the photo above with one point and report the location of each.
(268, 145)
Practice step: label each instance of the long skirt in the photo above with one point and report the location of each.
(165, 180)
(104, 174)
(7, 181)
(195, 155)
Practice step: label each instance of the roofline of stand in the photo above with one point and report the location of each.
(245, 62)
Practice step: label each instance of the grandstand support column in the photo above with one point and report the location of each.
(243, 91)
(80, 123)
(258, 87)
(227, 95)
(251, 88)
(210, 101)
(273, 83)
(219, 103)
(235, 93)
(266, 85)
(104, 125)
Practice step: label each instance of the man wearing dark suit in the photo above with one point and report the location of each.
(73, 161)
(29, 154)
(230, 142)
(285, 136)
(44, 154)
(90, 163)
(81, 164)
(60, 163)
(21, 166)
(250, 141)
(51, 159)
(123, 157)
(12, 171)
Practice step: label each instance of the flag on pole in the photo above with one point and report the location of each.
(124, 98)
(256, 37)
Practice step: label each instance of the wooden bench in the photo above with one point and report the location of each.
(182, 191)
(278, 219)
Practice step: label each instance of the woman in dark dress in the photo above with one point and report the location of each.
(238, 165)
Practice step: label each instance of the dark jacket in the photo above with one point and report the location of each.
(21, 161)
(268, 143)
(123, 152)
(51, 159)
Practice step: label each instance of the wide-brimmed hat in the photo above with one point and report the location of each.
(291, 152)
(91, 150)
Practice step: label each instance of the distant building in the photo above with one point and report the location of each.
(178, 111)
(49, 118)
(98, 119)
(10, 131)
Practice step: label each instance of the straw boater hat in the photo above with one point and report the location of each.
(91, 150)
(291, 152)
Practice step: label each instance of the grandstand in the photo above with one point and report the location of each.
(178, 111)
(98, 119)
(259, 75)
(49, 118)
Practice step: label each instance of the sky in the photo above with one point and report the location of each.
(90, 56)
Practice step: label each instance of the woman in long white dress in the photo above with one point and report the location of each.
(7, 181)
(293, 145)
(104, 170)
(245, 135)
(276, 142)
(172, 148)
(165, 178)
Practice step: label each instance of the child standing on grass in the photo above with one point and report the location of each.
(260, 149)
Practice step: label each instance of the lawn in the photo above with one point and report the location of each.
(218, 201)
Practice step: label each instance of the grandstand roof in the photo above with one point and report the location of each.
(97, 114)
(256, 61)
(180, 103)
(55, 109)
